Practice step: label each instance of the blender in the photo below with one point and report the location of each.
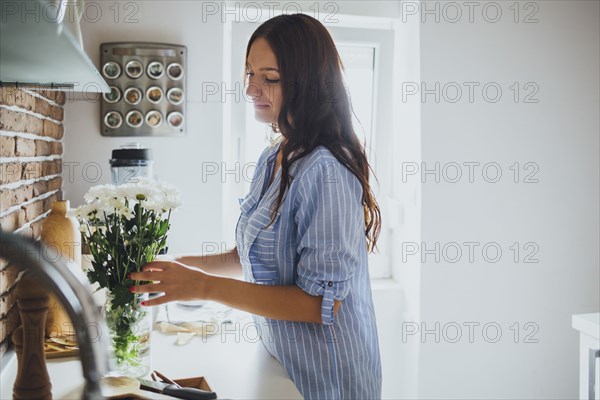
(129, 162)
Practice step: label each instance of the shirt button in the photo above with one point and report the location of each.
(330, 284)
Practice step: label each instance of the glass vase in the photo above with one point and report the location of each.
(130, 326)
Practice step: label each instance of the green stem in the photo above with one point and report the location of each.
(139, 244)
(118, 261)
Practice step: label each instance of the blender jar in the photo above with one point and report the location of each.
(131, 161)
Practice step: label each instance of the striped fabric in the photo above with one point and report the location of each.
(316, 242)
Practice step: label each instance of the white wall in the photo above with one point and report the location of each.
(177, 160)
(560, 213)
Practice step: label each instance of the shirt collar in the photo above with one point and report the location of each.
(272, 153)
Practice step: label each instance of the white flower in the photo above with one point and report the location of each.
(144, 198)
(125, 192)
(169, 196)
(125, 212)
(120, 200)
(172, 202)
(99, 193)
(142, 190)
(163, 203)
(153, 195)
(118, 205)
(165, 188)
(154, 206)
(72, 212)
(87, 212)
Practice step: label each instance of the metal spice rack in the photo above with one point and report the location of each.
(148, 89)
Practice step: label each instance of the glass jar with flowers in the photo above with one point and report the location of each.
(124, 228)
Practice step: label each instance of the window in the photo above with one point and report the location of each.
(359, 67)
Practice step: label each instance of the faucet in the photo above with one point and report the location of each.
(45, 264)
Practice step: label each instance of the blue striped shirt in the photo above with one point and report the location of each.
(316, 242)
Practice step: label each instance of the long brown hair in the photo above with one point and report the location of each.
(316, 101)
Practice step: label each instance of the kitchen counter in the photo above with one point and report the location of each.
(588, 326)
(234, 363)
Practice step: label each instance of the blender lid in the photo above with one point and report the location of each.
(130, 154)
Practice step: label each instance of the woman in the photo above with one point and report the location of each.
(305, 226)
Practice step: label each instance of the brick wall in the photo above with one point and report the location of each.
(30, 177)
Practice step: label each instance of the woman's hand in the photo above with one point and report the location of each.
(176, 280)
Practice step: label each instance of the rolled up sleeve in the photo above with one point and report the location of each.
(330, 220)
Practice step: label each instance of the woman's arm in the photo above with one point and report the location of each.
(288, 303)
(182, 282)
(224, 264)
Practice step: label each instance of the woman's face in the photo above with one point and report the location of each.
(263, 81)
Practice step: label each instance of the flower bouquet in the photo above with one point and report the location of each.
(125, 227)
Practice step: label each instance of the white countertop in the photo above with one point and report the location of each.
(588, 324)
(236, 366)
